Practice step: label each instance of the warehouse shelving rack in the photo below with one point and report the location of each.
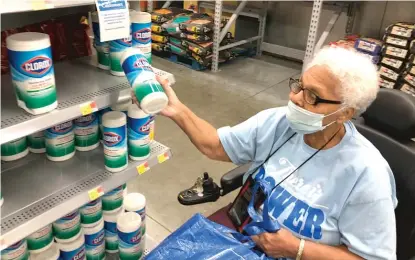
(37, 191)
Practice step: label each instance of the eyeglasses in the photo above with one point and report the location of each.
(309, 96)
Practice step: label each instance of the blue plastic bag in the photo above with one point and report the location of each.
(200, 238)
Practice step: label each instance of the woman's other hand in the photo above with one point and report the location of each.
(279, 244)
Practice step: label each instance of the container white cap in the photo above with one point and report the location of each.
(135, 112)
(113, 215)
(128, 222)
(134, 201)
(77, 243)
(94, 229)
(114, 119)
(122, 106)
(130, 51)
(51, 254)
(141, 17)
(154, 102)
(28, 41)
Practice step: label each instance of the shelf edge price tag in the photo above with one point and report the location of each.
(88, 108)
(142, 168)
(163, 157)
(95, 193)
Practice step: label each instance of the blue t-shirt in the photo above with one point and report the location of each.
(343, 195)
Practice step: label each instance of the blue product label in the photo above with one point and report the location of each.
(76, 254)
(137, 66)
(85, 121)
(60, 129)
(114, 136)
(110, 5)
(138, 128)
(110, 227)
(142, 213)
(95, 239)
(141, 33)
(33, 64)
(131, 238)
(120, 45)
(17, 251)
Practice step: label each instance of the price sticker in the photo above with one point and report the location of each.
(41, 4)
(88, 108)
(163, 157)
(95, 193)
(142, 168)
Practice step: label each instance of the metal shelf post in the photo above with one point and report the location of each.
(312, 33)
(261, 30)
(216, 35)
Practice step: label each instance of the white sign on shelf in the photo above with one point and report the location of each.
(114, 19)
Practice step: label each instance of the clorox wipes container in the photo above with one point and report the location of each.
(14, 150)
(102, 48)
(31, 67)
(60, 142)
(115, 141)
(141, 32)
(17, 251)
(91, 213)
(110, 226)
(138, 133)
(140, 75)
(74, 249)
(95, 241)
(40, 240)
(36, 142)
(86, 132)
(67, 228)
(129, 236)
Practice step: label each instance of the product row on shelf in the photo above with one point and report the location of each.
(394, 55)
(112, 224)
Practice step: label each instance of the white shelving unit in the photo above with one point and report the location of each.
(37, 191)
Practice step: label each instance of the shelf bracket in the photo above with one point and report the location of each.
(329, 27)
(312, 32)
(216, 35)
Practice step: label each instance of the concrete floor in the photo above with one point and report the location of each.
(240, 90)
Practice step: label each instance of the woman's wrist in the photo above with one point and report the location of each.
(292, 248)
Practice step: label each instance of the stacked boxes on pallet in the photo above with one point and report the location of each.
(397, 66)
(185, 37)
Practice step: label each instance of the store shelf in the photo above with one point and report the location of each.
(37, 191)
(77, 82)
(12, 6)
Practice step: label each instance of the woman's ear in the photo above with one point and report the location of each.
(346, 115)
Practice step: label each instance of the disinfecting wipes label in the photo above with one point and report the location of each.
(95, 246)
(33, 77)
(17, 251)
(14, 147)
(138, 136)
(91, 212)
(36, 140)
(141, 76)
(141, 36)
(111, 237)
(142, 213)
(40, 238)
(115, 146)
(60, 140)
(129, 244)
(117, 48)
(68, 226)
(86, 130)
(77, 254)
(113, 199)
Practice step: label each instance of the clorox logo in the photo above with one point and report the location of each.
(111, 139)
(136, 239)
(70, 216)
(62, 128)
(37, 65)
(143, 35)
(85, 120)
(98, 240)
(145, 129)
(79, 255)
(142, 63)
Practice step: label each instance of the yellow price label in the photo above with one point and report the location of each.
(88, 108)
(95, 193)
(142, 168)
(38, 4)
(163, 157)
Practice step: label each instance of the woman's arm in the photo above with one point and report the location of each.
(285, 244)
(202, 134)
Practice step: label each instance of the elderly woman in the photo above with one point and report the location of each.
(339, 201)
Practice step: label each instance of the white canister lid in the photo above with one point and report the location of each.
(129, 52)
(134, 201)
(154, 102)
(121, 106)
(112, 216)
(94, 229)
(128, 222)
(140, 17)
(28, 41)
(135, 112)
(114, 119)
(77, 243)
(51, 254)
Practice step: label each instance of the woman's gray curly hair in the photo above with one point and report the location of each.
(357, 74)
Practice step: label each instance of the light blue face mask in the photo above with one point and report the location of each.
(305, 122)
